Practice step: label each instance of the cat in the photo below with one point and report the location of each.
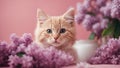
(56, 31)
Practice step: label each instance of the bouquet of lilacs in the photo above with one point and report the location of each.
(101, 17)
(108, 53)
(22, 52)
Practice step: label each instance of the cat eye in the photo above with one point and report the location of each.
(63, 30)
(49, 31)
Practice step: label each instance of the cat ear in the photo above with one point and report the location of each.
(41, 16)
(69, 15)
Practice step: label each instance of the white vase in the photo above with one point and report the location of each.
(85, 49)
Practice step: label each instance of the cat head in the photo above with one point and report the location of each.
(55, 31)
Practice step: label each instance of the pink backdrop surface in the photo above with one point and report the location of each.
(97, 66)
(19, 16)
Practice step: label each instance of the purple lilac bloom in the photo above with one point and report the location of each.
(115, 9)
(106, 9)
(88, 22)
(108, 53)
(4, 53)
(22, 52)
(101, 2)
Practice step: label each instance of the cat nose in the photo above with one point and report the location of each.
(56, 37)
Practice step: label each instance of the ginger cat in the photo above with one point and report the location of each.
(56, 31)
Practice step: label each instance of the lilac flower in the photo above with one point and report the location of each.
(27, 61)
(87, 3)
(14, 38)
(22, 52)
(79, 18)
(104, 23)
(101, 2)
(81, 8)
(97, 29)
(21, 48)
(115, 9)
(48, 57)
(4, 53)
(106, 9)
(20, 62)
(88, 22)
(108, 53)
(15, 61)
(27, 38)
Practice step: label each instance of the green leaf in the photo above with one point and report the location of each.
(91, 13)
(109, 30)
(117, 28)
(113, 29)
(92, 36)
(18, 65)
(20, 54)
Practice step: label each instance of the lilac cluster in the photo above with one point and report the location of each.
(108, 53)
(22, 52)
(21, 62)
(4, 53)
(115, 12)
(96, 14)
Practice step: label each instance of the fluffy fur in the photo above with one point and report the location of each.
(57, 31)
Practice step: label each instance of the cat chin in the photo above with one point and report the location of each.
(45, 45)
(55, 44)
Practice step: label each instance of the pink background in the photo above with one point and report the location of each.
(19, 16)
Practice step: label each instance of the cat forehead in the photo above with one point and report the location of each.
(56, 20)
